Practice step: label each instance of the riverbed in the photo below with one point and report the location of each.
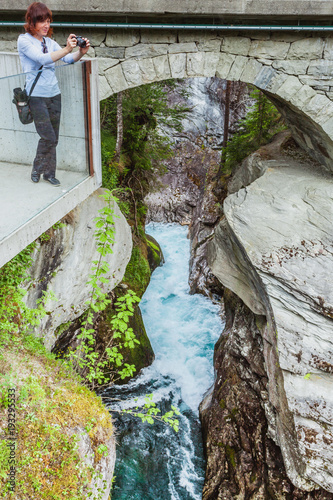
(153, 461)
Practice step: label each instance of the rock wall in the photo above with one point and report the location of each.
(274, 250)
(243, 459)
(62, 265)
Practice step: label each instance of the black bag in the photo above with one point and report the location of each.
(21, 101)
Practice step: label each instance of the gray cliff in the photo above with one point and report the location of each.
(274, 250)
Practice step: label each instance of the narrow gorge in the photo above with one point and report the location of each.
(248, 253)
(268, 250)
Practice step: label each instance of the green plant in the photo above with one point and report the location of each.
(149, 412)
(16, 319)
(97, 367)
(137, 273)
(261, 122)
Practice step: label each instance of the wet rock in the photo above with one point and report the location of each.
(274, 250)
(62, 265)
(243, 459)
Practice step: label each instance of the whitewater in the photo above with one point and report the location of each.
(153, 461)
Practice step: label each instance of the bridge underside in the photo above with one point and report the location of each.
(173, 11)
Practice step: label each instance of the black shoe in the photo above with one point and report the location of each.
(52, 180)
(35, 176)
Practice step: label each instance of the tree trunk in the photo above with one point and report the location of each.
(226, 121)
(225, 128)
(120, 128)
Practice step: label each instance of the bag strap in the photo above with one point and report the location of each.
(35, 81)
(38, 75)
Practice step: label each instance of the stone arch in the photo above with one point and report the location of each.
(293, 70)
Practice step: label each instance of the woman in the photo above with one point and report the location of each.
(36, 49)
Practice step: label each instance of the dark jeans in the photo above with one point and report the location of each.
(46, 114)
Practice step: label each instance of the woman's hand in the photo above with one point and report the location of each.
(71, 42)
(85, 49)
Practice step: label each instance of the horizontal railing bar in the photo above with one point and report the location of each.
(220, 27)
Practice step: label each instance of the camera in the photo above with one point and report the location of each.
(81, 43)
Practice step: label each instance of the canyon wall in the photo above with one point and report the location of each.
(274, 249)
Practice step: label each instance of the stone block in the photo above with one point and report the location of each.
(104, 87)
(91, 52)
(158, 36)
(264, 77)
(303, 97)
(210, 45)
(195, 36)
(178, 48)
(319, 108)
(237, 68)
(267, 62)
(328, 48)
(202, 64)
(96, 37)
(10, 34)
(211, 61)
(291, 67)
(259, 35)
(236, 45)
(8, 45)
(269, 49)
(321, 68)
(317, 83)
(162, 67)
(328, 128)
(286, 36)
(195, 64)
(112, 52)
(132, 73)
(116, 79)
(276, 82)
(60, 35)
(251, 70)
(307, 48)
(147, 69)
(105, 64)
(224, 64)
(291, 86)
(122, 38)
(178, 65)
(146, 50)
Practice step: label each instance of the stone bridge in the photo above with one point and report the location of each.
(294, 69)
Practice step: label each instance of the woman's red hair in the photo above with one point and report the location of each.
(37, 12)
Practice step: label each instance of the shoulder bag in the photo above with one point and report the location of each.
(21, 101)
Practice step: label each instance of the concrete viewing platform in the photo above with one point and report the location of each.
(28, 209)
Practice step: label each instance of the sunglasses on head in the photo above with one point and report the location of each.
(45, 51)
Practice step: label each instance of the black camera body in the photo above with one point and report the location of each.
(80, 41)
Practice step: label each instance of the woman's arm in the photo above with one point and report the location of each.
(59, 54)
(71, 43)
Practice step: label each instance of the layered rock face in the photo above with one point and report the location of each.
(62, 265)
(274, 249)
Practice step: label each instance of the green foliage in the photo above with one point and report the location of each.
(49, 465)
(257, 128)
(16, 319)
(97, 368)
(145, 145)
(137, 273)
(149, 412)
